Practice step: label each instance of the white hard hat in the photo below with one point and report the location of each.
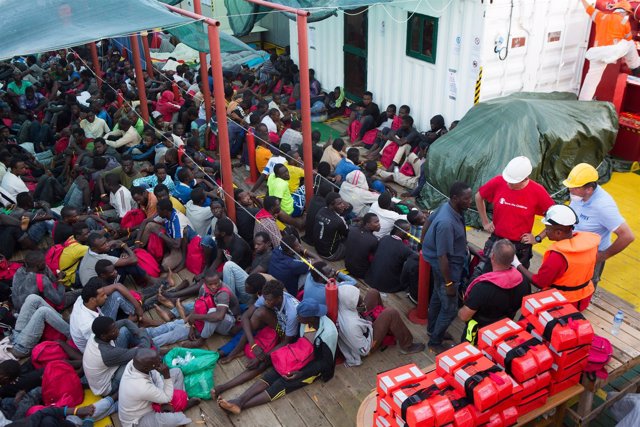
(517, 170)
(560, 215)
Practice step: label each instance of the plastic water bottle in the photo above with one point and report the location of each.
(617, 322)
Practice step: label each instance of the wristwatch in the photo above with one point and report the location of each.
(538, 239)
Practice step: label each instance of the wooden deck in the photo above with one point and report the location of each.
(336, 403)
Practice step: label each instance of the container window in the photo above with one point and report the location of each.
(422, 37)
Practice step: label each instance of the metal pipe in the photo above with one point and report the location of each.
(144, 106)
(419, 314)
(221, 116)
(251, 153)
(204, 75)
(147, 53)
(299, 12)
(305, 92)
(209, 21)
(305, 102)
(96, 63)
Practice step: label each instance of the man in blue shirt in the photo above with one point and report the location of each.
(314, 285)
(348, 164)
(598, 213)
(287, 267)
(184, 186)
(445, 248)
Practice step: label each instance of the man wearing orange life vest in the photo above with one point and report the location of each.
(568, 264)
(613, 40)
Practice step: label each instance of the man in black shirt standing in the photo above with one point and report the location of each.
(361, 246)
(330, 229)
(495, 295)
(393, 252)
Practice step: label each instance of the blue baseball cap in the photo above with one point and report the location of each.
(311, 308)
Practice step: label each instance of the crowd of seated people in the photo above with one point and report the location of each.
(97, 200)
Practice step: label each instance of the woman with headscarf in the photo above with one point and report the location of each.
(355, 190)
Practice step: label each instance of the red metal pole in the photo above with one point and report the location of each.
(135, 49)
(419, 314)
(251, 152)
(204, 76)
(221, 116)
(147, 53)
(96, 63)
(305, 101)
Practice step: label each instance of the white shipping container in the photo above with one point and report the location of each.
(546, 45)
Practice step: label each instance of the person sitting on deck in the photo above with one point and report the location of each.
(385, 273)
(494, 295)
(330, 230)
(322, 336)
(361, 246)
(147, 380)
(98, 249)
(384, 209)
(268, 324)
(36, 278)
(235, 276)
(175, 231)
(361, 334)
(333, 153)
(569, 263)
(160, 176)
(230, 246)
(285, 265)
(266, 220)
(347, 164)
(314, 285)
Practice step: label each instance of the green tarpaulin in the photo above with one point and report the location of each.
(554, 130)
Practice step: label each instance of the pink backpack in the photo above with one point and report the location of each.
(46, 352)
(292, 357)
(599, 355)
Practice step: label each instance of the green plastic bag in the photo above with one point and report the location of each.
(196, 366)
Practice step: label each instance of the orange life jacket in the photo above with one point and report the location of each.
(580, 252)
(610, 27)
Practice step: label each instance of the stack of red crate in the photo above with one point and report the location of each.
(549, 317)
(492, 393)
(522, 356)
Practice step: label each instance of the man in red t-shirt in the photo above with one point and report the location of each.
(516, 201)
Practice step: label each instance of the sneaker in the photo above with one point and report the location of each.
(439, 348)
(412, 299)
(415, 347)
(446, 337)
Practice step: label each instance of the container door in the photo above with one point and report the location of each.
(355, 52)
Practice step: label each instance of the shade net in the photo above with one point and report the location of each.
(58, 24)
(243, 15)
(554, 130)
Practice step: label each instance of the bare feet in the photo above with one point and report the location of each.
(228, 358)
(213, 393)
(181, 311)
(24, 223)
(192, 402)
(170, 282)
(165, 301)
(163, 314)
(229, 406)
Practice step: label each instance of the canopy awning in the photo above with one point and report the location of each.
(33, 26)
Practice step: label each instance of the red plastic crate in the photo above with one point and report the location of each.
(398, 377)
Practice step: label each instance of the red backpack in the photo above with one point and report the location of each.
(205, 303)
(147, 262)
(155, 246)
(195, 256)
(52, 257)
(133, 218)
(40, 284)
(47, 352)
(61, 385)
(599, 355)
